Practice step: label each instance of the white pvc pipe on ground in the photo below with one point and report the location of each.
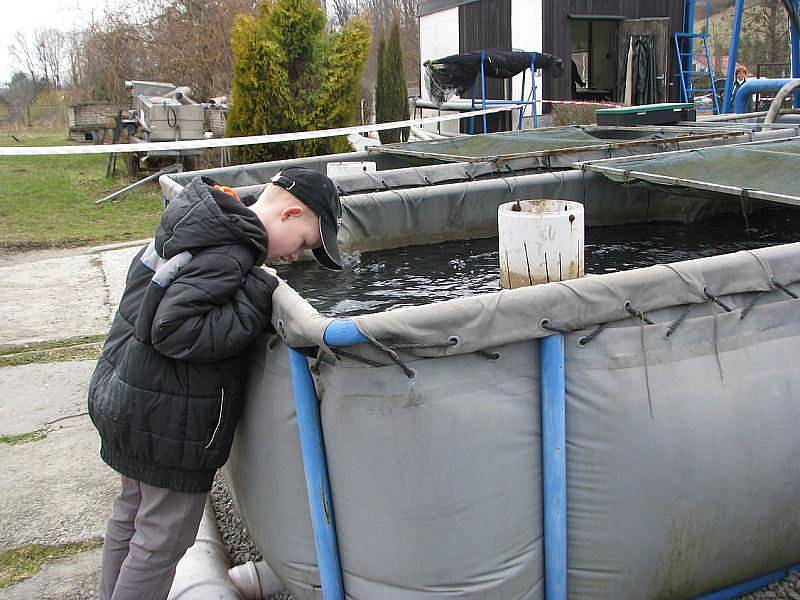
(202, 573)
(255, 580)
(540, 241)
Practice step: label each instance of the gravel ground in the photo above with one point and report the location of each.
(241, 548)
(788, 589)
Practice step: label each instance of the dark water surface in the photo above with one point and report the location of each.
(389, 279)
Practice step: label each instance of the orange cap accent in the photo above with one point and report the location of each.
(227, 190)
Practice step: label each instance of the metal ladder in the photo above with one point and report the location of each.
(687, 73)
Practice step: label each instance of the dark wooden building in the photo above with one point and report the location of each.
(591, 36)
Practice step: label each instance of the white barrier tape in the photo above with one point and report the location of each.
(599, 103)
(236, 141)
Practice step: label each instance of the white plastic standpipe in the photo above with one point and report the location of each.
(337, 169)
(540, 241)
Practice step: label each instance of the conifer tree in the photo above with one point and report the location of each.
(393, 105)
(290, 75)
(380, 83)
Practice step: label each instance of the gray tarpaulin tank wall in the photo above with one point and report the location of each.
(681, 408)
(681, 444)
(483, 156)
(423, 215)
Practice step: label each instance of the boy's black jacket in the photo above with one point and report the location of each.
(167, 391)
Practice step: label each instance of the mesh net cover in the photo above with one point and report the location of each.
(454, 74)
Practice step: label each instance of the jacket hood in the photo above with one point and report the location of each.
(201, 216)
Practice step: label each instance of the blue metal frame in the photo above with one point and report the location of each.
(338, 333)
(554, 465)
(317, 483)
(732, 54)
(484, 102)
(756, 86)
(795, 37)
(684, 48)
(688, 27)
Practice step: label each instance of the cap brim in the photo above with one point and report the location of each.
(328, 253)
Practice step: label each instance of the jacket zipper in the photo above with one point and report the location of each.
(219, 420)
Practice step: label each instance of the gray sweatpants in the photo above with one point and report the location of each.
(149, 530)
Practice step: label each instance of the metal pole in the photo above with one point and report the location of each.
(315, 465)
(483, 88)
(522, 98)
(795, 36)
(317, 482)
(533, 97)
(732, 54)
(554, 465)
(688, 42)
(472, 119)
(128, 188)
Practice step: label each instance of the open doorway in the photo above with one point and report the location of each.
(594, 57)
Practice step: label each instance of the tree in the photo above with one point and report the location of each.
(21, 93)
(382, 14)
(342, 11)
(380, 83)
(42, 56)
(290, 75)
(50, 47)
(113, 51)
(765, 34)
(393, 97)
(24, 53)
(188, 42)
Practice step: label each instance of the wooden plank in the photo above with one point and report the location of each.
(486, 25)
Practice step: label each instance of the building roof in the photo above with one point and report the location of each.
(427, 7)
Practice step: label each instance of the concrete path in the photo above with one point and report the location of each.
(55, 490)
(45, 298)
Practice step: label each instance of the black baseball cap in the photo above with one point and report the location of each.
(318, 193)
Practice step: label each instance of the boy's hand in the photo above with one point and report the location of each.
(269, 270)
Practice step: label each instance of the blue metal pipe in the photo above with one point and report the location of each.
(317, 482)
(755, 86)
(533, 97)
(522, 97)
(746, 587)
(688, 43)
(483, 87)
(732, 54)
(554, 465)
(795, 37)
(338, 333)
(343, 333)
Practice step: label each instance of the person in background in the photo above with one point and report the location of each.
(739, 80)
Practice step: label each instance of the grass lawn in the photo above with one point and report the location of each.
(48, 201)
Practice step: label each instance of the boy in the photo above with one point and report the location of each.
(167, 391)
